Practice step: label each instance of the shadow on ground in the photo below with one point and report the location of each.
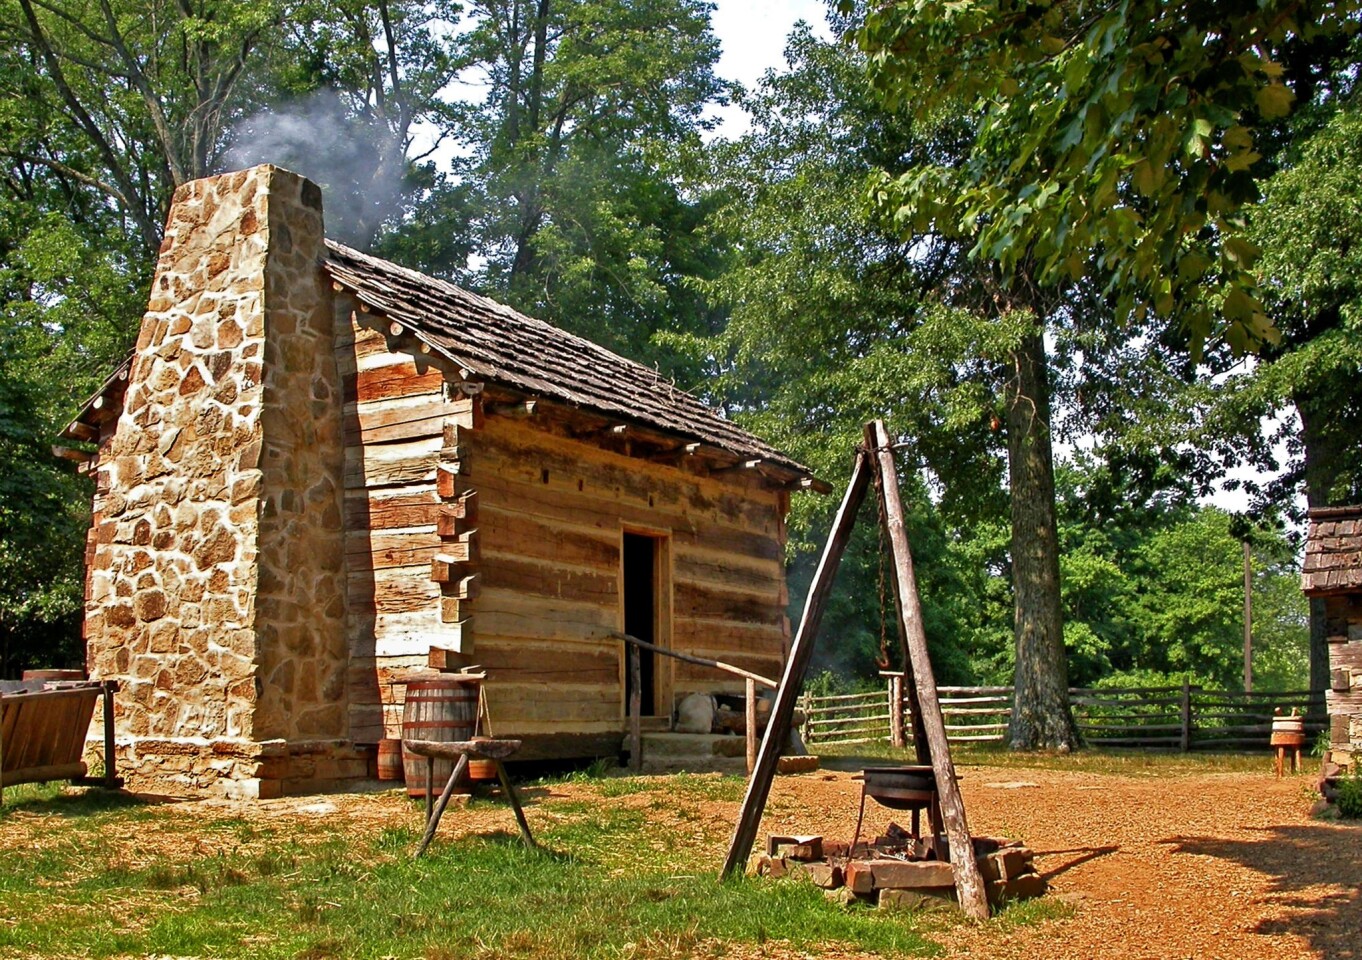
(1314, 872)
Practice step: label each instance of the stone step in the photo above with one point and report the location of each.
(692, 745)
(710, 764)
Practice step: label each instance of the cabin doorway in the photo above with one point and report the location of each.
(646, 599)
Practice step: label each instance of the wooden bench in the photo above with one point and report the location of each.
(42, 734)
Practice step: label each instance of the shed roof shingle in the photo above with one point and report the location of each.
(1333, 551)
(506, 347)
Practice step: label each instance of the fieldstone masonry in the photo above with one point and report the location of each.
(216, 588)
(1332, 574)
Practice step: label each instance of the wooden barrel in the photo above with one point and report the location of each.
(390, 759)
(437, 708)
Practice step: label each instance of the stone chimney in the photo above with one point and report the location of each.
(217, 587)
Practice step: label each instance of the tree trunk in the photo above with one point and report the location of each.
(1040, 712)
(1328, 455)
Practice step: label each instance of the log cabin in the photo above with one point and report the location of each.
(1332, 573)
(318, 470)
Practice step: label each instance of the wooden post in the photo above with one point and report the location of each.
(751, 724)
(111, 778)
(801, 651)
(969, 883)
(1186, 717)
(896, 710)
(635, 709)
(1248, 617)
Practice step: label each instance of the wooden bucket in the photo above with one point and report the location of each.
(51, 675)
(1288, 731)
(437, 708)
(481, 771)
(390, 759)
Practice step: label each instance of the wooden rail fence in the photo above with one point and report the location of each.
(1169, 718)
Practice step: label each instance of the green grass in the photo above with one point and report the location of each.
(1134, 763)
(626, 869)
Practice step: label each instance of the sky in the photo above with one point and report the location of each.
(752, 34)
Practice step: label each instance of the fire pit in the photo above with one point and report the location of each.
(911, 787)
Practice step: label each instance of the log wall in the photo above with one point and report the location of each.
(501, 537)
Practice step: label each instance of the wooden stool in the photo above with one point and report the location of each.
(461, 751)
(1288, 742)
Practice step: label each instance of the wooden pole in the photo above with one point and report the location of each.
(1186, 715)
(1248, 617)
(433, 822)
(751, 691)
(635, 709)
(896, 710)
(702, 661)
(969, 883)
(111, 779)
(801, 651)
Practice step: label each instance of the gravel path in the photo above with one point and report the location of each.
(1207, 866)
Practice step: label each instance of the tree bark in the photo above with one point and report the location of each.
(1040, 713)
(1328, 455)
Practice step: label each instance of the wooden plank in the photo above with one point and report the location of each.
(388, 381)
(511, 533)
(703, 603)
(521, 452)
(392, 509)
(398, 464)
(801, 652)
(969, 884)
(390, 591)
(544, 578)
(398, 420)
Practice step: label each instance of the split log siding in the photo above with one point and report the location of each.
(544, 545)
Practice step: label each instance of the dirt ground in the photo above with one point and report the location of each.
(1160, 866)
(1203, 865)
(1225, 865)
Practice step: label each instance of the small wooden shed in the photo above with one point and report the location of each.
(1333, 572)
(318, 465)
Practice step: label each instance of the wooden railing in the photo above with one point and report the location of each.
(1170, 718)
(634, 707)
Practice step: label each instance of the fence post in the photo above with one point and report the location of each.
(1186, 715)
(635, 708)
(896, 710)
(806, 728)
(751, 724)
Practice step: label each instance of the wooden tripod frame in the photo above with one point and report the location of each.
(874, 460)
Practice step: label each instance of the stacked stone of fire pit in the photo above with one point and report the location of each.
(897, 872)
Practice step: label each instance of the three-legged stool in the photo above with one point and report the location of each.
(461, 751)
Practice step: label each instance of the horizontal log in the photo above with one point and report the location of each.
(521, 453)
(389, 465)
(509, 532)
(392, 509)
(390, 591)
(393, 421)
(706, 603)
(544, 578)
(44, 774)
(387, 381)
(847, 697)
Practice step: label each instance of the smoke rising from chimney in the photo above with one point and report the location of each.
(358, 162)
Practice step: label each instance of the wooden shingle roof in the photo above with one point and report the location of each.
(1333, 551)
(505, 347)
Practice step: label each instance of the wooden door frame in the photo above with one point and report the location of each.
(664, 668)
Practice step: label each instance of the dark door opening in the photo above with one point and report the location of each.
(640, 614)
